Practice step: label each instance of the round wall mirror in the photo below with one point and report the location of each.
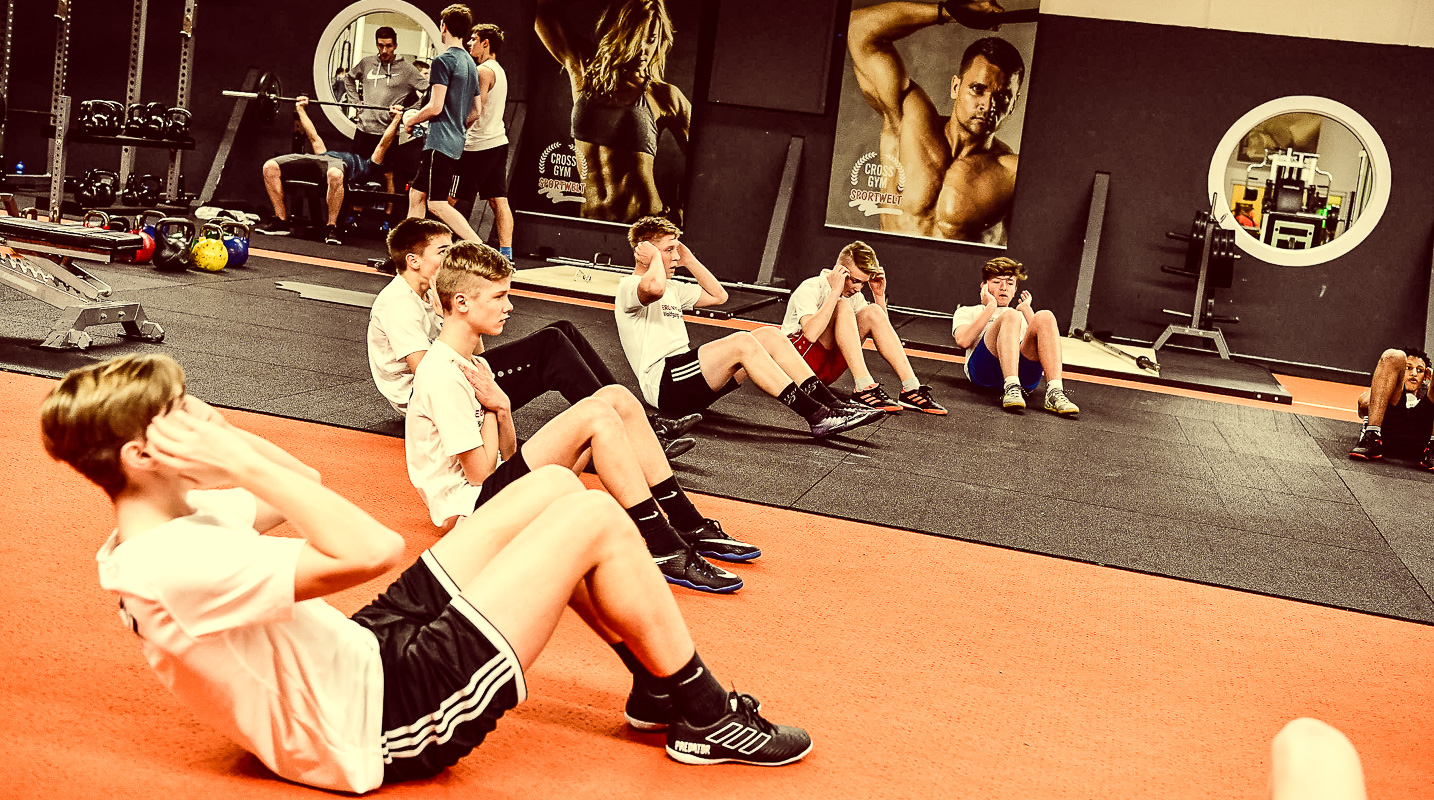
(351, 36)
(1302, 180)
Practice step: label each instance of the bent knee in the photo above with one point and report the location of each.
(271, 167)
(1393, 356)
(618, 396)
(558, 479)
(1045, 317)
(335, 176)
(872, 311)
(1307, 734)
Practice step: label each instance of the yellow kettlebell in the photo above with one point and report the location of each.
(209, 252)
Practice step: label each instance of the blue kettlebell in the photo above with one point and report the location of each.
(146, 220)
(236, 241)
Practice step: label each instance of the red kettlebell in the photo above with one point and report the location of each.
(146, 251)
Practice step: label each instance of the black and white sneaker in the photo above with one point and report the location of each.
(672, 448)
(742, 736)
(646, 710)
(845, 419)
(1369, 447)
(331, 235)
(669, 428)
(685, 568)
(273, 226)
(710, 540)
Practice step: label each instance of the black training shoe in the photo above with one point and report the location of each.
(646, 710)
(742, 736)
(669, 428)
(710, 540)
(672, 448)
(1427, 460)
(876, 397)
(685, 568)
(273, 226)
(840, 420)
(919, 399)
(331, 235)
(1369, 447)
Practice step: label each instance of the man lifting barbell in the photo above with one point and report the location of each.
(330, 168)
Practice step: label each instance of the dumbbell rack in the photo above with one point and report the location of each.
(1198, 312)
(60, 103)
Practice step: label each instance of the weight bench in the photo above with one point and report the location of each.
(28, 251)
(310, 202)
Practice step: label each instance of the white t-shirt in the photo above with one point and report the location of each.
(487, 131)
(297, 684)
(965, 315)
(401, 323)
(808, 299)
(444, 420)
(651, 333)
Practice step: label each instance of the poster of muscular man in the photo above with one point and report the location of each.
(608, 113)
(928, 131)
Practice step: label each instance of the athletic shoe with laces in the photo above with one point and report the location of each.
(646, 710)
(1013, 398)
(840, 420)
(742, 735)
(672, 448)
(710, 540)
(1427, 460)
(273, 226)
(331, 235)
(876, 397)
(685, 568)
(1369, 447)
(1057, 401)
(669, 428)
(920, 399)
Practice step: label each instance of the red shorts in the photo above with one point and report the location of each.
(827, 364)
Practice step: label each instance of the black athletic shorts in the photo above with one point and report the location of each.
(1407, 430)
(483, 173)
(448, 674)
(308, 167)
(507, 472)
(683, 389)
(437, 175)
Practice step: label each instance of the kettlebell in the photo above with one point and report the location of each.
(98, 187)
(98, 216)
(145, 224)
(146, 250)
(171, 238)
(208, 252)
(236, 241)
(134, 119)
(156, 123)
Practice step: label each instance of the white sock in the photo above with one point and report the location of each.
(1014, 381)
(1375, 429)
(861, 383)
(911, 385)
(1054, 386)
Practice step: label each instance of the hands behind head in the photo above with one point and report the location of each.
(485, 386)
(684, 255)
(195, 441)
(836, 278)
(877, 282)
(987, 299)
(645, 252)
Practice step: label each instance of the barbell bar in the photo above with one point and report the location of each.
(277, 99)
(269, 96)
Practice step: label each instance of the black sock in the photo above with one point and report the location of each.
(655, 529)
(695, 691)
(802, 403)
(818, 391)
(640, 675)
(679, 509)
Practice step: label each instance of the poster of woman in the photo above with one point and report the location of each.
(607, 130)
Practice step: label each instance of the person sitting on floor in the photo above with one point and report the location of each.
(462, 450)
(333, 169)
(234, 625)
(678, 380)
(1397, 412)
(405, 321)
(1011, 347)
(828, 318)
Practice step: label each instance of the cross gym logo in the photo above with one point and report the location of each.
(561, 173)
(871, 183)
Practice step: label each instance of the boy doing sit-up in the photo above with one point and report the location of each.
(1011, 346)
(678, 380)
(234, 625)
(1397, 411)
(828, 318)
(405, 321)
(462, 449)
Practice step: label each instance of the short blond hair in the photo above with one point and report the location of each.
(650, 228)
(1000, 265)
(859, 254)
(96, 410)
(462, 263)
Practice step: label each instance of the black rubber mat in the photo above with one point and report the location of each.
(1255, 499)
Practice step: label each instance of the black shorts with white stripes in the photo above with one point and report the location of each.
(683, 389)
(448, 674)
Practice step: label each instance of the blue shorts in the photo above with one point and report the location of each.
(984, 369)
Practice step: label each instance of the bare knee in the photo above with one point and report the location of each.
(336, 178)
(271, 169)
(557, 480)
(1308, 738)
(767, 336)
(596, 413)
(746, 342)
(1044, 320)
(1393, 358)
(620, 398)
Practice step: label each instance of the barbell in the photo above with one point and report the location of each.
(269, 96)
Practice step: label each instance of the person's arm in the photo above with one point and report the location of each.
(353, 80)
(494, 400)
(480, 462)
(548, 23)
(815, 323)
(307, 125)
(654, 278)
(380, 151)
(872, 36)
(966, 334)
(413, 360)
(486, 80)
(712, 292)
(1024, 306)
(344, 545)
(878, 289)
(428, 112)
(676, 112)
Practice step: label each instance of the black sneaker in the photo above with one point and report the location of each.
(685, 568)
(1427, 460)
(710, 540)
(331, 235)
(672, 448)
(844, 420)
(668, 428)
(273, 226)
(742, 736)
(876, 397)
(646, 710)
(919, 399)
(1369, 447)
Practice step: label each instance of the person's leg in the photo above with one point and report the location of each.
(334, 177)
(274, 187)
(592, 423)
(1375, 403)
(1311, 760)
(453, 218)
(502, 220)
(1042, 343)
(1003, 339)
(585, 350)
(779, 348)
(721, 359)
(644, 444)
(874, 323)
(545, 360)
(845, 336)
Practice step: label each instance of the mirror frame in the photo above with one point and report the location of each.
(1369, 218)
(344, 18)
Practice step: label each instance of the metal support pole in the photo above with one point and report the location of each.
(57, 85)
(186, 64)
(57, 158)
(1089, 250)
(136, 78)
(5, 82)
(221, 156)
(778, 227)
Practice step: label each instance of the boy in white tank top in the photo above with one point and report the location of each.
(483, 169)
